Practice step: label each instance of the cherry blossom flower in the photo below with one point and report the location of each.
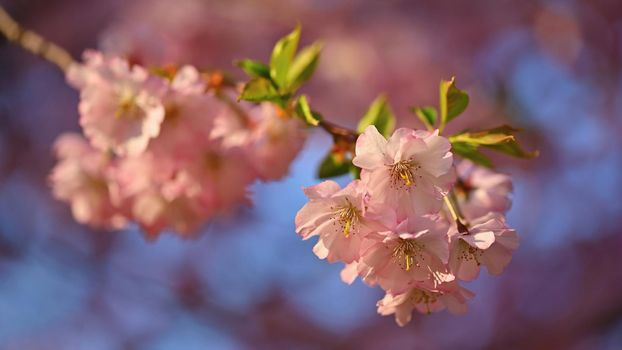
(336, 216)
(411, 171)
(120, 106)
(448, 295)
(275, 141)
(81, 178)
(409, 251)
(480, 190)
(489, 242)
(271, 138)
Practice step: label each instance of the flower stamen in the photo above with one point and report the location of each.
(403, 173)
(410, 252)
(348, 216)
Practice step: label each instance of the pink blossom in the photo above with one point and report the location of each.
(449, 295)
(349, 273)
(271, 138)
(480, 190)
(408, 252)
(81, 178)
(120, 106)
(336, 216)
(410, 171)
(275, 141)
(189, 117)
(489, 242)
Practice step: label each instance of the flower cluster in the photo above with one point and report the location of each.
(391, 227)
(165, 150)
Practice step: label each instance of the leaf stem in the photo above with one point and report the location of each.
(33, 42)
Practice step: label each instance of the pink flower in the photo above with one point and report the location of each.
(409, 251)
(480, 190)
(81, 178)
(489, 242)
(410, 171)
(275, 141)
(449, 295)
(336, 216)
(271, 139)
(189, 118)
(120, 106)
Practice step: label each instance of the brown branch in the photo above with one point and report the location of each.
(339, 133)
(33, 42)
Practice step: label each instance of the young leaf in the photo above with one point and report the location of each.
(482, 138)
(427, 115)
(513, 149)
(332, 166)
(303, 110)
(452, 101)
(500, 139)
(469, 151)
(303, 66)
(282, 56)
(254, 69)
(259, 89)
(380, 115)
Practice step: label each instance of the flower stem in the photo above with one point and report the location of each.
(33, 42)
(453, 210)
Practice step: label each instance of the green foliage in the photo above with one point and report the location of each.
(283, 55)
(470, 151)
(304, 112)
(500, 139)
(380, 115)
(259, 89)
(303, 66)
(334, 165)
(254, 69)
(427, 115)
(452, 101)
(286, 73)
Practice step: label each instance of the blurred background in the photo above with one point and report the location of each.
(553, 68)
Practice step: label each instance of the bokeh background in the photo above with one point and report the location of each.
(553, 68)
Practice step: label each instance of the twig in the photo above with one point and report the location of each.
(33, 42)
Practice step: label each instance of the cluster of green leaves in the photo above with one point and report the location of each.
(287, 72)
(467, 144)
(278, 83)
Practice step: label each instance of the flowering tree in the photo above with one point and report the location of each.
(174, 146)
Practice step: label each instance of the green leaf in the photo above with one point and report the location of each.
(303, 66)
(259, 89)
(452, 101)
(303, 110)
(332, 166)
(482, 138)
(380, 115)
(427, 115)
(500, 139)
(469, 151)
(282, 56)
(513, 149)
(254, 68)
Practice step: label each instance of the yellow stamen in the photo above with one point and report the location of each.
(348, 216)
(346, 230)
